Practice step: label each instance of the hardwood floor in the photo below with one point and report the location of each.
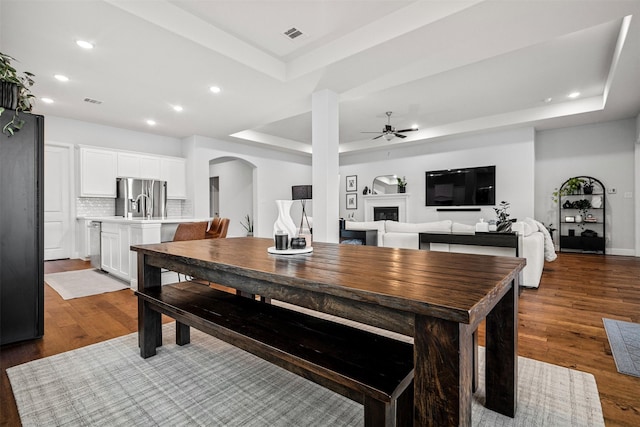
(560, 323)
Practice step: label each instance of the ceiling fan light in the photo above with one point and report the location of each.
(388, 136)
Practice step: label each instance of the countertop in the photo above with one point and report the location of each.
(153, 220)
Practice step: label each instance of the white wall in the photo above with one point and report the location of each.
(512, 152)
(604, 151)
(235, 193)
(274, 175)
(79, 132)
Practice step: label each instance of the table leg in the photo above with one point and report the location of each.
(475, 382)
(443, 361)
(501, 369)
(183, 333)
(149, 321)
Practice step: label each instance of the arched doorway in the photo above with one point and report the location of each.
(231, 191)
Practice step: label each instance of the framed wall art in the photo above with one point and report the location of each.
(352, 183)
(352, 201)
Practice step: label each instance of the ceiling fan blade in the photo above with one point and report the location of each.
(399, 135)
(379, 136)
(406, 130)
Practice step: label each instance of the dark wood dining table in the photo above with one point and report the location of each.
(438, 298)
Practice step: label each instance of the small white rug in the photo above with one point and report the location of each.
(211, 383)
(82, 283)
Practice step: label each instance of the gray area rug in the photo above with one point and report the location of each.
(211, 383)
(82, 283)
(624, 339)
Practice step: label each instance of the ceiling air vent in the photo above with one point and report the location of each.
(92, 101)
(293, 33)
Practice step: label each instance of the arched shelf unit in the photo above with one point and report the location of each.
(582, 203)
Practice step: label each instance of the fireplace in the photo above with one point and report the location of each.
(397, 202)
(383, 213)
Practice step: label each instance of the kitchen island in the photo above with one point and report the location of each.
(117, 234)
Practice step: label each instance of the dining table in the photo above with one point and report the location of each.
(437, 298)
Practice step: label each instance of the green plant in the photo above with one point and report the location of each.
(402, 182)
(582, 205)
(572, 186)
(587, 187)
(502, 212)
(247, 224)
(20, 98)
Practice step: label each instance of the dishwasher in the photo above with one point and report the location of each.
(95, 230)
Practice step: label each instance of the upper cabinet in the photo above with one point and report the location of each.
(174, 171)
(134, 165)
(98, 171)
(99, 168)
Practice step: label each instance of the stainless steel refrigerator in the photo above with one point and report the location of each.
(141, 198)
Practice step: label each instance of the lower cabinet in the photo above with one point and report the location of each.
(115, 242)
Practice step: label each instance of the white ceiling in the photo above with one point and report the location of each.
(449, 67)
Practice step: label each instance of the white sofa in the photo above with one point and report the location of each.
(392, 234)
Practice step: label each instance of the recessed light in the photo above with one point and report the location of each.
(573, 95)
(177, 108)
(547, 100)
(151, 122)
(84, 44)
(47, 100)
(215, 89)
(61, 78)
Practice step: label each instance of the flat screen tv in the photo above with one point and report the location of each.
(461, 187)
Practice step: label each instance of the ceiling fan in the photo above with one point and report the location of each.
(389, 132)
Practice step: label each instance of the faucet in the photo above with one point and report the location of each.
(147, 204)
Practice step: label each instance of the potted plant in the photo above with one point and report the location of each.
(587, 187)
(572, 186)
(582, 205)
(503, 223)
(15, 93)
(248, 225)
(402, 184)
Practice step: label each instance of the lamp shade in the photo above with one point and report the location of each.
(301, 192)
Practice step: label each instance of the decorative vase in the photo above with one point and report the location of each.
(402, 189)
(284, 222)
(578, 218)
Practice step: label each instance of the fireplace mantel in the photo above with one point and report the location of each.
(387, 200)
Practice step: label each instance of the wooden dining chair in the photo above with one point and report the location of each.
(190, 231)
(218, 228)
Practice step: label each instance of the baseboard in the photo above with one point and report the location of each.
(621, 252)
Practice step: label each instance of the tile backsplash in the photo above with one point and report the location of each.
(96, 206)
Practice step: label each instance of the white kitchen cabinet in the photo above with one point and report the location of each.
(98, 170)
(114, 243)
(136, 165)
(174, 171)
(109, 250)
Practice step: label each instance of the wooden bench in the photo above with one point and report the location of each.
(373, 370)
